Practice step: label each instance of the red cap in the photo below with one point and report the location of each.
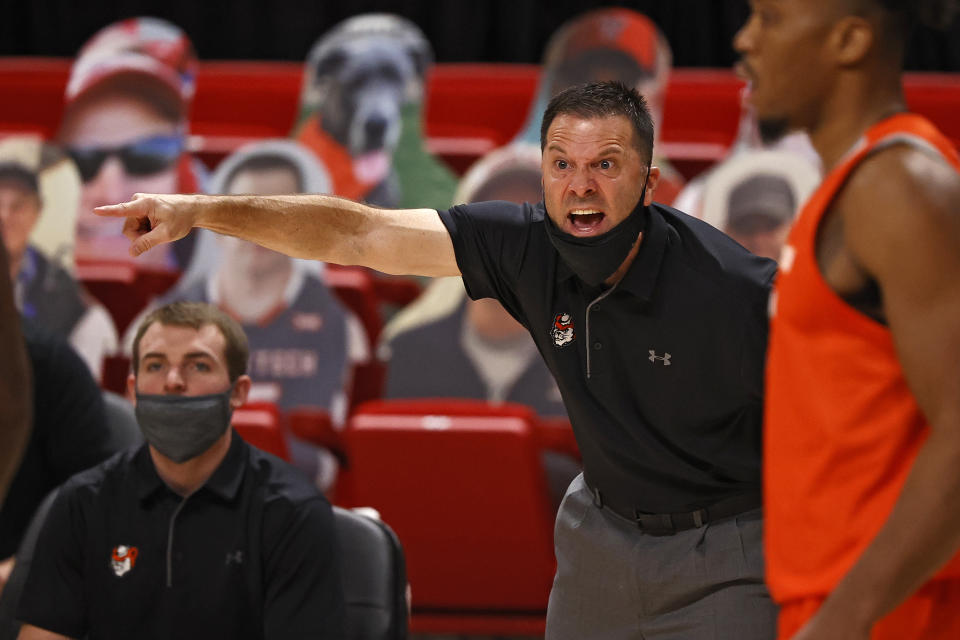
(146, 48)
(620, 29)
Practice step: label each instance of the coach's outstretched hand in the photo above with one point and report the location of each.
(153, 219)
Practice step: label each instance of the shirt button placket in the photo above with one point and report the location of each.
(592, 343)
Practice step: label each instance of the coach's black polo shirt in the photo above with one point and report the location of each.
(662, 375)
(252, 554)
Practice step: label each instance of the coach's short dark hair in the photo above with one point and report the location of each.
(196, 315)
(600, 100)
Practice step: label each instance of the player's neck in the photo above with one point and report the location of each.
(186, 477)
(849, 111)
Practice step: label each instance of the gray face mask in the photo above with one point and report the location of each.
(183, 427)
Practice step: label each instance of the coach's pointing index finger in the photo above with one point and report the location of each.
(138, 227)
(121, 210)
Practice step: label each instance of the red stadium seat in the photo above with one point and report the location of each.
(114, 375)
(356, 287)
(123, 287)
(556, 434)
(314, 425)
(261, 425)
(461, 484)
(398, 291)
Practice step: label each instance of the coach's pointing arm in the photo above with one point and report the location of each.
(327, 228)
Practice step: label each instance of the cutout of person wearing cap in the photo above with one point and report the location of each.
(125, 125)
(303, 341)
(609, 44)
(488, 355)
(754, 196)
(46, 294)
(361, 111)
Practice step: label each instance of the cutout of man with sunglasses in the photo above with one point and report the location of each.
(125, 122)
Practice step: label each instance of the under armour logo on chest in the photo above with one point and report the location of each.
(235, 557)
(665, 358)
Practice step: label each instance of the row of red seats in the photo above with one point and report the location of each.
(125, 289)
(470, 108)
(461, 484)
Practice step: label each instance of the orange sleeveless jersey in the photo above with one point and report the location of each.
(841, 426)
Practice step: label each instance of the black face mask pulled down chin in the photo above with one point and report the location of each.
(596, 258)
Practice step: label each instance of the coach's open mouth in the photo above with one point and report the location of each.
(585, 221)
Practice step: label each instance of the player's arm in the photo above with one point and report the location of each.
(327, 228)
(901, 213)
(15, 382)
(30, 632)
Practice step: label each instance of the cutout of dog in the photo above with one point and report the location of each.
(362, 98)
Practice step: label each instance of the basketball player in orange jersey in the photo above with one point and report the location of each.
(862, 442)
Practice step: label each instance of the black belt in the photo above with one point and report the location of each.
(669, 523)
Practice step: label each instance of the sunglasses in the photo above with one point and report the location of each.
(140, 158)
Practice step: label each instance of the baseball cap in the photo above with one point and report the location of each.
(146, 49)
(760, 198)
(766, 182)
(517, 163)
(614, 29)
(24, 158)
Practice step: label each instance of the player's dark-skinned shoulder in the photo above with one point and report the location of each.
(901, 213)
(901, 202)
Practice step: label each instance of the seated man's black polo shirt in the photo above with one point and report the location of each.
(252, 554)
(662, 374)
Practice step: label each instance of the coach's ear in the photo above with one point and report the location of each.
(652, 181)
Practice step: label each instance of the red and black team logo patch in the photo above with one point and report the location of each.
(122, 559)
(562, 330)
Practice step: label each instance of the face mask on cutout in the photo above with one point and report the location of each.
(183, 427)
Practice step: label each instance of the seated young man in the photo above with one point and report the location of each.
(195, 534)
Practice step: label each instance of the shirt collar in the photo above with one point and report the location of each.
(147, 479)
(641, 277)
(224, 483)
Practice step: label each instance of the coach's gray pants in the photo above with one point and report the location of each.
(614, 581)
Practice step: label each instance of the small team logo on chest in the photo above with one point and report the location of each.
(122, 559)
(562, 330)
